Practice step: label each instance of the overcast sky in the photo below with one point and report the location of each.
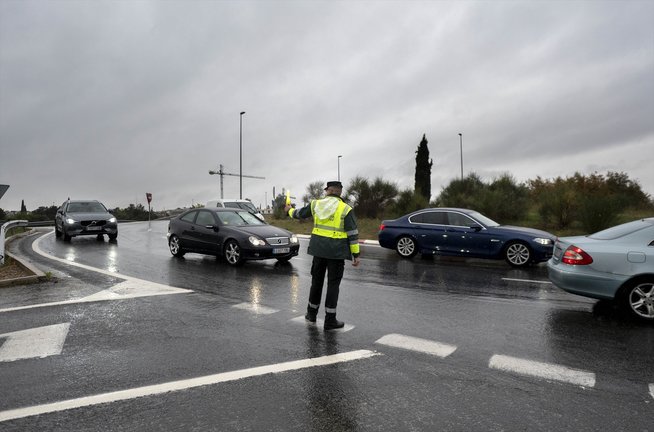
(109, 100)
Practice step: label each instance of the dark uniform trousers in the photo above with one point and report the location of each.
(334, 269)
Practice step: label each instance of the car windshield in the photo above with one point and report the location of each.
(86, 207)
(620, 230)
(488, 222)
(239, 218)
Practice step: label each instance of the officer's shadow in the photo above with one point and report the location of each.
(332, 397)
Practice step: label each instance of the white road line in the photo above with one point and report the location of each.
(651, 390)
(528, 280)
(321, 323)
(36, 342)
(416, 344)
(131, 288)
(174, 386)
(256, 308)
(542, 370)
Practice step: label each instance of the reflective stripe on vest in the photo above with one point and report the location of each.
(332, 226)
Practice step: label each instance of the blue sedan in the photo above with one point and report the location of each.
(614, 264)
(465, 233)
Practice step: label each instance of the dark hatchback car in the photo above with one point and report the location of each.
(237, 235)
(465, 233)
(85, 217)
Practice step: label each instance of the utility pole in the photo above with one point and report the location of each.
(222, 173)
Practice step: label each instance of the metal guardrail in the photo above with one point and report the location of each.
(3, 229)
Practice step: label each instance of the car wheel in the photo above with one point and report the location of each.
(113, 236)
(406, 247)
(57, 232)
(638, 298)
(174, 246)
(517, 254)
(65, 234)
(232, 253)
(284, 259)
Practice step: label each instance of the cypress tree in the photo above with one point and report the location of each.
(423, 170)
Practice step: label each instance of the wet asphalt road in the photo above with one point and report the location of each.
(236, 319)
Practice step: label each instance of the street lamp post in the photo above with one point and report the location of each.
(339, 167)
(240, 154)
(461, 147)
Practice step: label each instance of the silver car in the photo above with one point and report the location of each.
(614, 264)
(75, 218)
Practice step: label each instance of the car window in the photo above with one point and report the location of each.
(248, 207)
(189, 217)
(619, 231)
(458, 219)
(205, 218)
(250, 219)
(229, 218)
(486, 221)
(86, 207)
(230, 204)
(435, 218)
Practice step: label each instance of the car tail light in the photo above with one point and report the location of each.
(381, 227)
(576, 256)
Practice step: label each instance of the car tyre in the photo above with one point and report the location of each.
(57, 232)
(517, 254)
(406, 247)
(232, 253)
(638, 298)
(65, 234)
(113, 237)
(175, 247)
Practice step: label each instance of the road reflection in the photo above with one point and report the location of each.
(332, 397)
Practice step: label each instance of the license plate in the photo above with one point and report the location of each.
(281, 250)
(94, 228)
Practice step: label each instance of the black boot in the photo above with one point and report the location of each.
(311, 315)
(332, 323)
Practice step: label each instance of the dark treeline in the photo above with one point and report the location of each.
(586, 202)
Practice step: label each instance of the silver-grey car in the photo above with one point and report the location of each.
(615, 264)
(88, 217)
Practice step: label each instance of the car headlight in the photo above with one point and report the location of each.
(543, 241)
(112, 220)
(256, 241)
(293, 239)
(70, 221)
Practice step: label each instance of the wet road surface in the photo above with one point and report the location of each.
(449, 344)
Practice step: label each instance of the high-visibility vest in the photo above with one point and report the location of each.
(329, 217)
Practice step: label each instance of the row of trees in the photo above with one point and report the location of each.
(589, 202)
(132, 212)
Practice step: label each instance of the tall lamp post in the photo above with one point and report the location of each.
(339, 167)
(461, 146)
(240, 154)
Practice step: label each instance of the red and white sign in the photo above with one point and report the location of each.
(148, 195)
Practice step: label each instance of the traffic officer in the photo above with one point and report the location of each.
(334, 239)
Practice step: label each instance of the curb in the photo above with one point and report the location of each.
(367, 242)
(37, 276)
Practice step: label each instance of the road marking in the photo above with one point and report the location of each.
(651, 390)
(36, 342)
(131, 288)
(528, 280)
(173, 386)
(321, 323)
(542, 370)
(256, 308)
(416, 344)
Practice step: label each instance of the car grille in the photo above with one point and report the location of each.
(276, 241)
(94, 223)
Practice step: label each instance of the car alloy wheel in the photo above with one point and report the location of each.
(517, 254)
(174, 246)
(233, 253)
(406, 247)
(640, 299)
